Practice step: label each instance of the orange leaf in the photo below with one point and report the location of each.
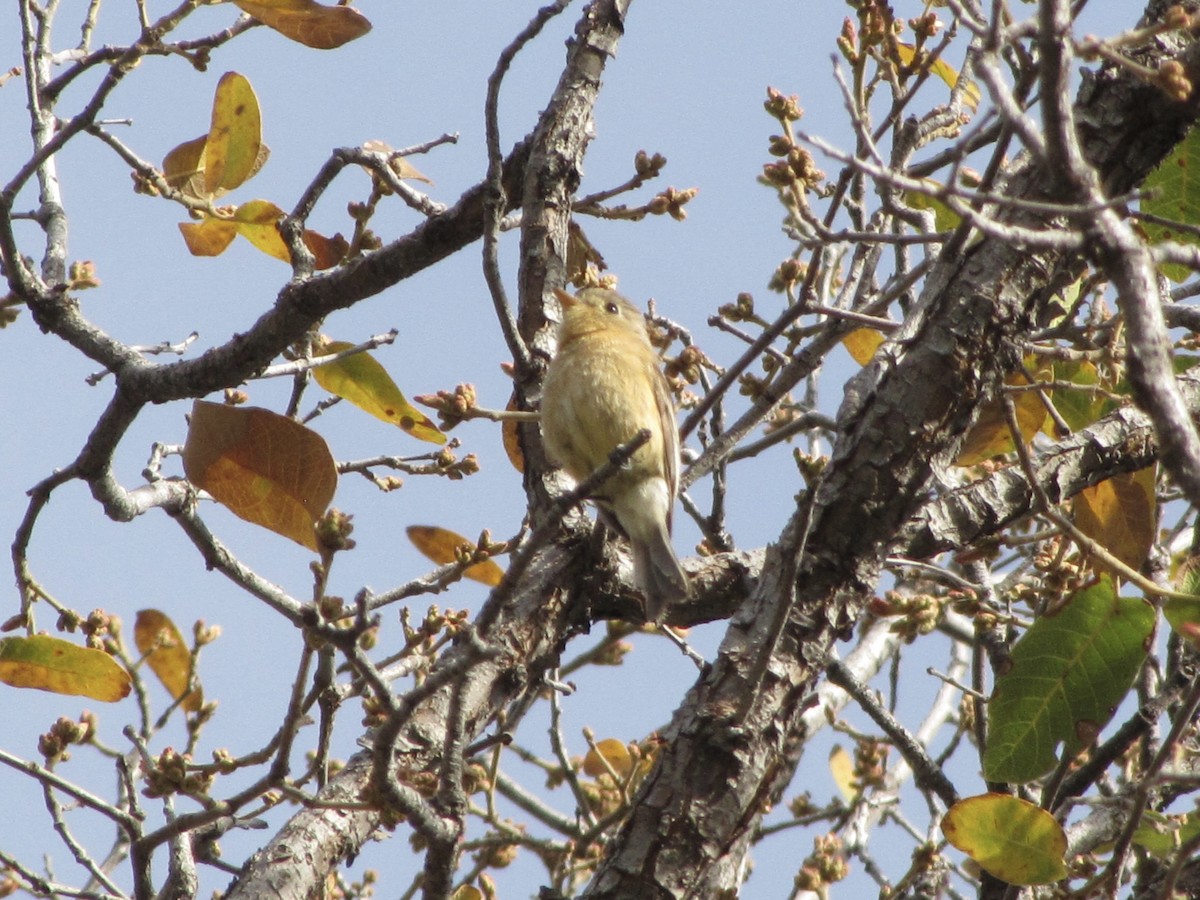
(307, 22)
(262, 466)
(442, 546)
(327, 252)
(208, 237)
(511, 437)
(157, 638)
(258, 222)
(1119, 514)
(612, 751)
(52, 664)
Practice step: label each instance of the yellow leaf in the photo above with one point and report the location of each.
(612, 751)
(360, 379)
(991, 435)
(1120, 515)
(52, 664)
(307, 22)
(1010, 838)
(235, 136)
(157, 638)
(258, 222)
(861, 343)
(232, 151)
(183, 167)
(442, 546)
(208, 237)
(943, 70)
(262, 466)
(841, 767)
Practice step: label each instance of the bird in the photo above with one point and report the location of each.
(602, 387)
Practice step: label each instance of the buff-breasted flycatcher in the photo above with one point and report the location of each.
(603, 386)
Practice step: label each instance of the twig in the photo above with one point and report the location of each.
(297, 366)
(925, 771)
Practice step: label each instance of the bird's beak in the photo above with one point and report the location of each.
(565, 299)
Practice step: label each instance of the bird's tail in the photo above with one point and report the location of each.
(658, 574)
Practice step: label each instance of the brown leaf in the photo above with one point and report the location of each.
(307, 22)
(399, 164)
(157, 638)
(580, 253)
(1119, 514)
(327, 251)
(262, 466)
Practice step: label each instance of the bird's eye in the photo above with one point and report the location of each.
(611, 308)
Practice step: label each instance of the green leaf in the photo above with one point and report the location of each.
(1010, 838)
(360, 379)
(52, 664)
(1081, 407)
(944, 218)
(1164, 836)
(1068, 673)
(1172, 191)
(1183, 613)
